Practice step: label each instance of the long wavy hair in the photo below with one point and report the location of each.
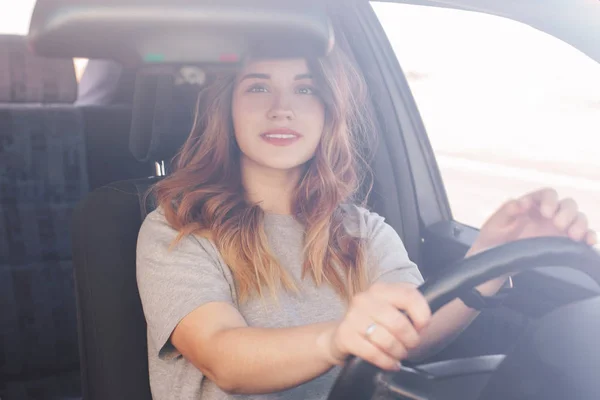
(204, 195)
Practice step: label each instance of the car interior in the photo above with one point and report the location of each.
(74, 178)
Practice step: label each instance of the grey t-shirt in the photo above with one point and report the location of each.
(174, 283)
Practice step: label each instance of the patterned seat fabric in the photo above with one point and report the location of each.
(43, 175)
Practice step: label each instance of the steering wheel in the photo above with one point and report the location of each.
(359, 379)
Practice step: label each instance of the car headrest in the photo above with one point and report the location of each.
(27, 78)
(163, 112)
(106, 83)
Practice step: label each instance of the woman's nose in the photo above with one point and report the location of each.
(281, 109)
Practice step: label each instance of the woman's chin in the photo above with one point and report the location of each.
(283, 164)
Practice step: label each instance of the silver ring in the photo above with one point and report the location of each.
(370, 330)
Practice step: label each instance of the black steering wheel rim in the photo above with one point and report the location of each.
(358, 379)
(513, 257)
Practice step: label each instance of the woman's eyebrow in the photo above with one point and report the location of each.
(267, 76)
(303, 76)
(256, 76)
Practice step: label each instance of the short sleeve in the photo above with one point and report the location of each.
(386, 253)
(175, 281)
(389, 254)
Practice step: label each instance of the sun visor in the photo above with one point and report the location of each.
(136, 32)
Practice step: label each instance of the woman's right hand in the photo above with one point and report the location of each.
(377, 326)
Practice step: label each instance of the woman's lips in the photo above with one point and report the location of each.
(281, 137)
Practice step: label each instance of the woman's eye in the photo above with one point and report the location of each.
(306, 90)
(258, 89)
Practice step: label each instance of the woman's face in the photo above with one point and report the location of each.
(278, 115)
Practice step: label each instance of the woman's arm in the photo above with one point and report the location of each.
(240, 359)
(449, 322)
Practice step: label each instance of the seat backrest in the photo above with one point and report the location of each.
(42, 177)
(107, 131)
(105, 99)
(112, 326)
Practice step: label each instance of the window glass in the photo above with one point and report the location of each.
(508, 108)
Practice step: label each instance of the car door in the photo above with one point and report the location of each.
(444, 239)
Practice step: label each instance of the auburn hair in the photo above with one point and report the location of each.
(204, 195)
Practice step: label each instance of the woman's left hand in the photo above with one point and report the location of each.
(540, 213)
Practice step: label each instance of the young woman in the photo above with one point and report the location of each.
(259, 274)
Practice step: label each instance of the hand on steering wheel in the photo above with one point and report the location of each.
(538, 214)
(360, 379)
(375, 330)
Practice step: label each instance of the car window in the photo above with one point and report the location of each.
(15, 16)
(14, 20)
(507, 108)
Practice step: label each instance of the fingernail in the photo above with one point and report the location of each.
(398, 366)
